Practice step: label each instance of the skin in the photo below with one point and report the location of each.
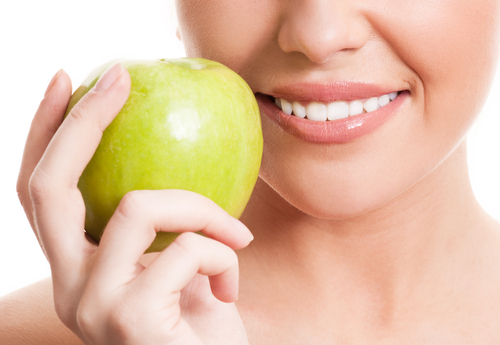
(364, 231)
(376, 241)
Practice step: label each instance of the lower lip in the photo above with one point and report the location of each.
(331, 132)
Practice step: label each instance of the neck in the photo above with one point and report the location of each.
(381, 255)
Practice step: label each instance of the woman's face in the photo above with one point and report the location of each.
(440, 55)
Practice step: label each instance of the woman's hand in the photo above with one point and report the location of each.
(102, 293)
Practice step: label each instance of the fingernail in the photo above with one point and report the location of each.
(243, 229)
(109, 77)
(52, 82)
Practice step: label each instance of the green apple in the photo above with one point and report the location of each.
(189, 124)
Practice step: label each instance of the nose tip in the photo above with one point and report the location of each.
(320, 29)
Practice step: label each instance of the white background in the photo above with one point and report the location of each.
(40, 37)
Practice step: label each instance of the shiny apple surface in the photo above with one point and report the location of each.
(190, 124)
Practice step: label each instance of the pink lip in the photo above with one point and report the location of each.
(325, 93)
(331, 132)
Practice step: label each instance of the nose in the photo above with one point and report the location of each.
(320, 28)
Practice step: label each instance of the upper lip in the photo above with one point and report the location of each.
(330, 92)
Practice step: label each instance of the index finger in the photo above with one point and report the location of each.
(45, 123)
(141, 214)
(57, 202)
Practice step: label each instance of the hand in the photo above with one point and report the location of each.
(102, 293)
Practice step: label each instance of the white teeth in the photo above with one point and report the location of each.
(298, 109)
(384, 100)
(316, 111)
(286, 107)
(337, 110)
(355, 108)
(371, 104)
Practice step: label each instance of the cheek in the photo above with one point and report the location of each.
(452, 46)
(228, 31)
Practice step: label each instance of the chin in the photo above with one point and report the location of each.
(334, 201)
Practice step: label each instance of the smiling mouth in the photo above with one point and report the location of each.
(317, 121)
(317, 111)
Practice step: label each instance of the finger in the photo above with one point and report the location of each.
(47, 120)
(176, 266)
(141, 214)
(57, 202)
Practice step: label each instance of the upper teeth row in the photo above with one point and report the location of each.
(316, 111)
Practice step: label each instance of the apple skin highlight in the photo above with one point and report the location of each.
(190, 124)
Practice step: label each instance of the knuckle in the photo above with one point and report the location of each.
(64, 313)
(122, 322)
(131, 205)
(231, 256)
(90, 108)
(118, 320)
(84, 107)
(84, 318)
(21, 190)
(228, 257)
(38, 186)
(59, 104)
(187, 243)
(79, 110)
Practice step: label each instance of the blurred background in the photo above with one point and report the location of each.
(41, 37)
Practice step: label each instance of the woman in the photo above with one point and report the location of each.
(365, 228)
